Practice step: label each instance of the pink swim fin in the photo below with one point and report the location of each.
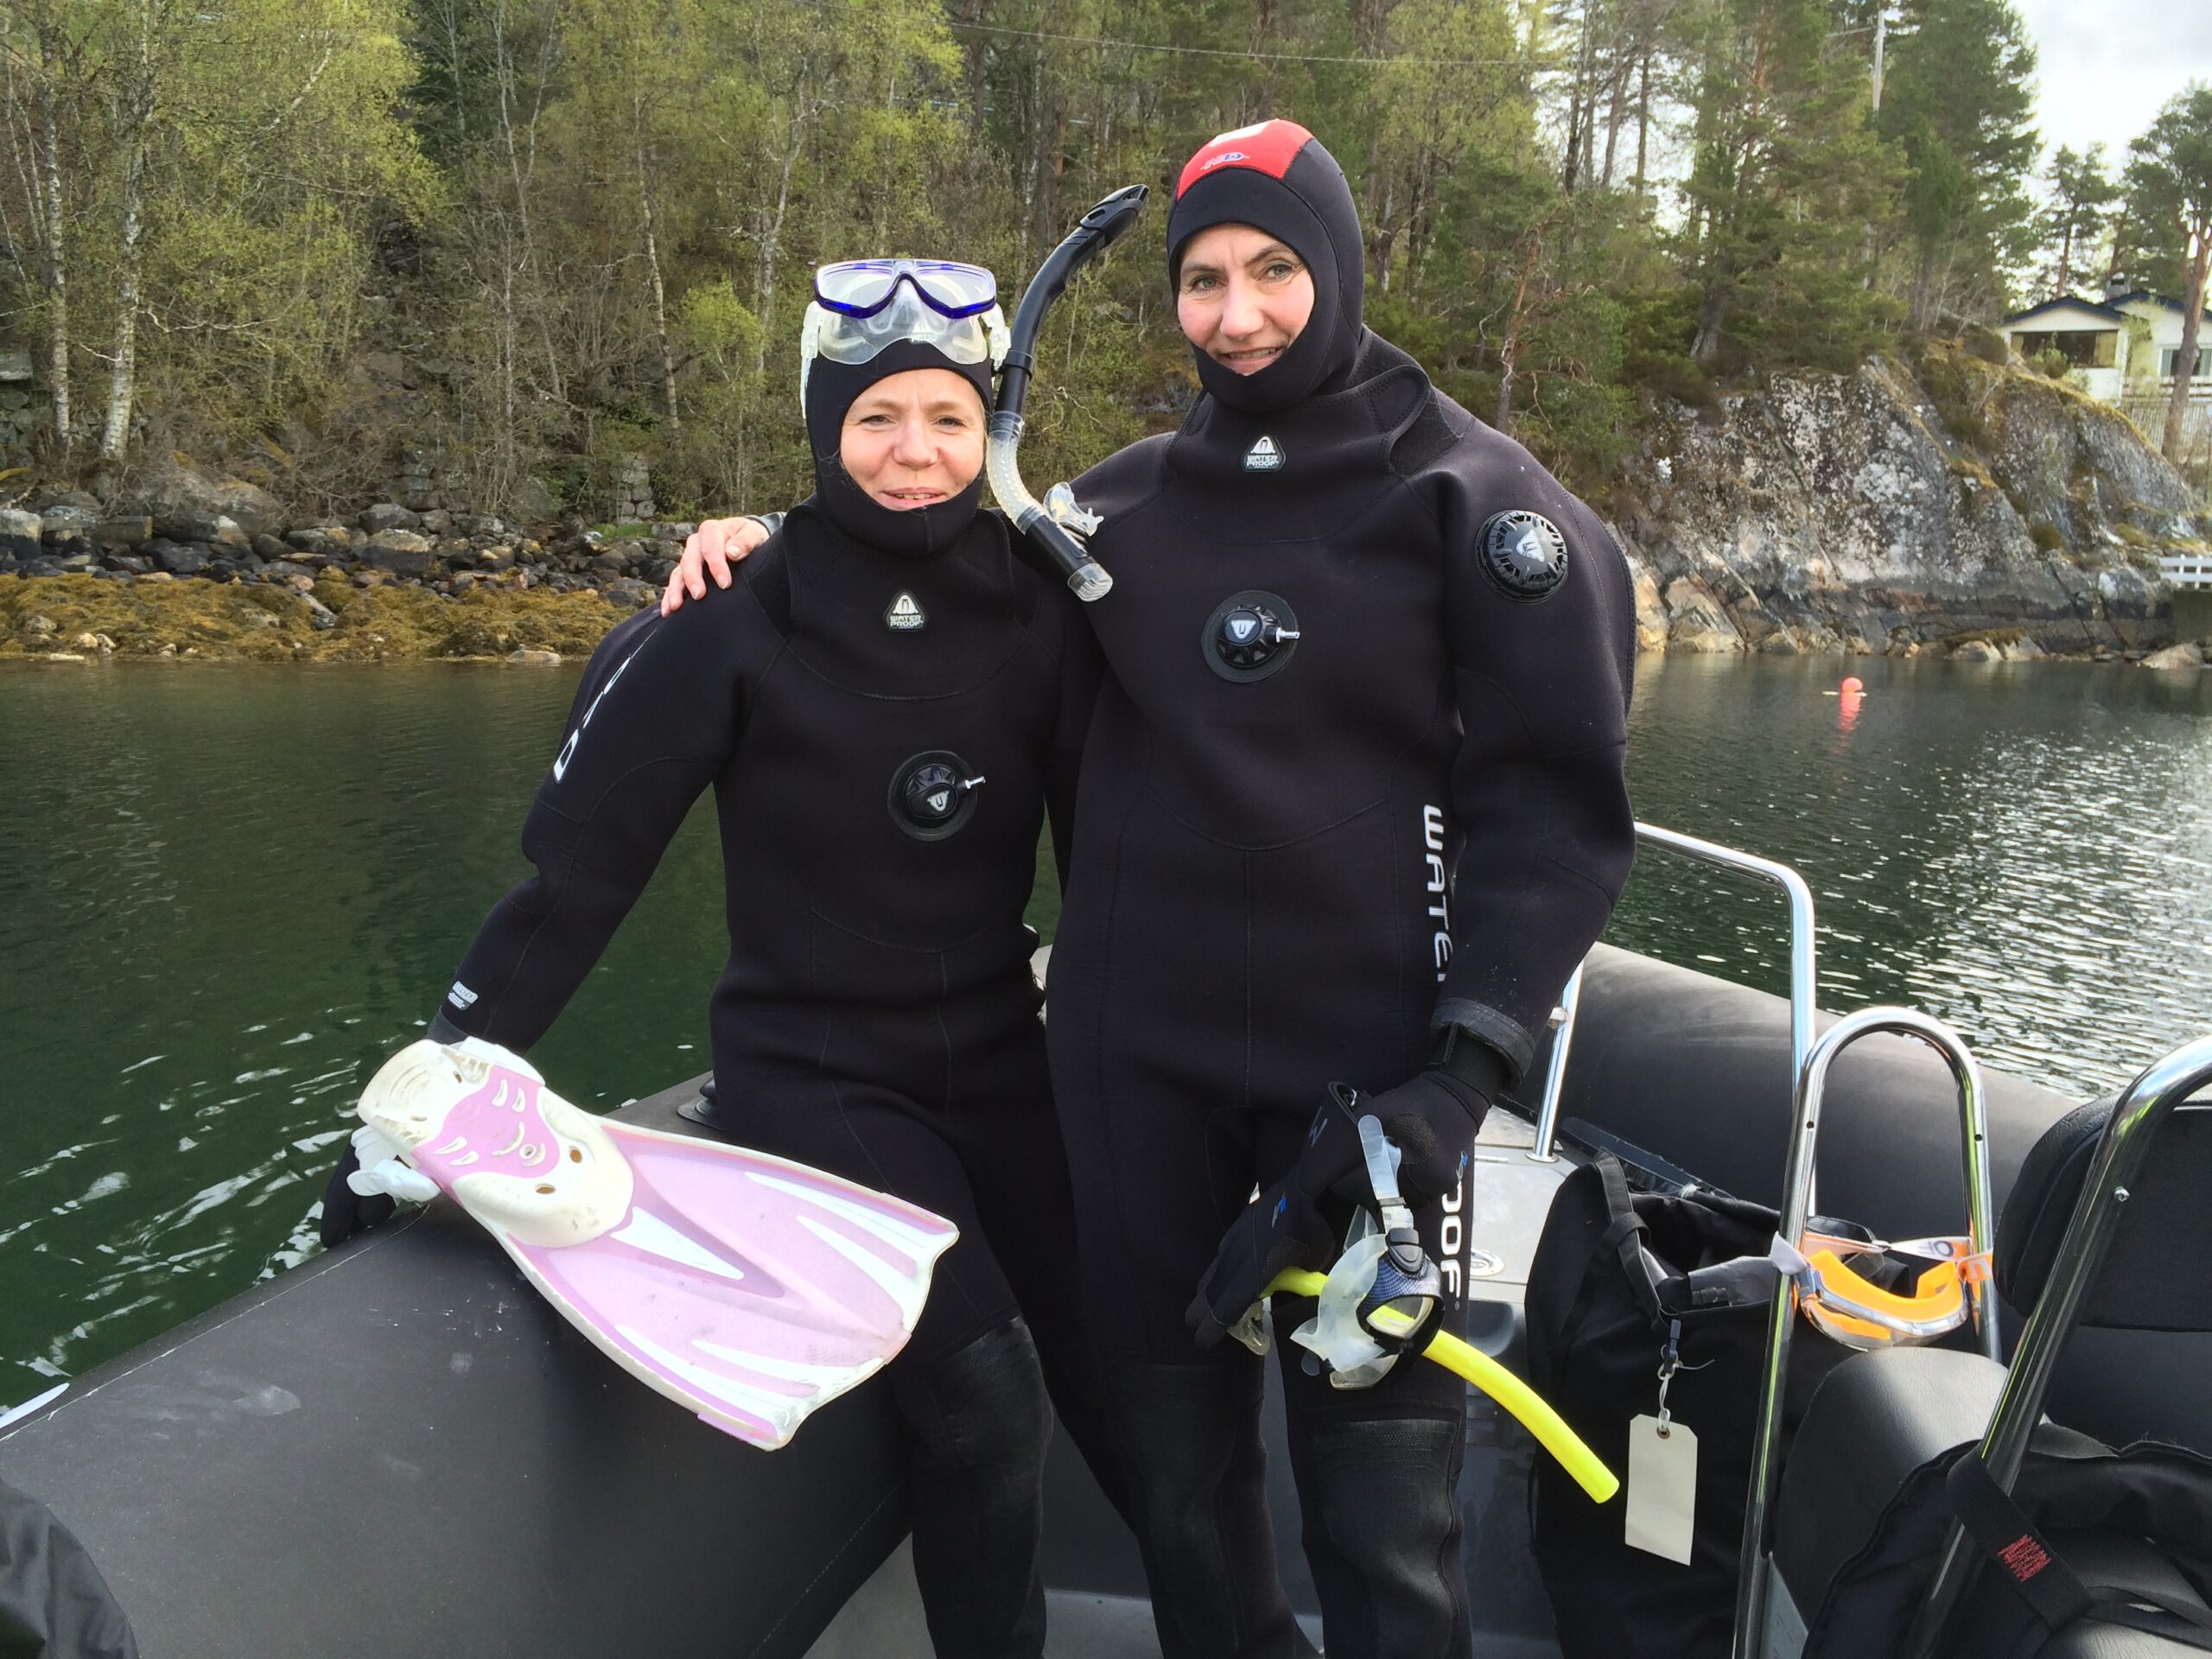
(748, 1287)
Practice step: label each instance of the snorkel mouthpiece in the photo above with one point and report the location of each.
(1059, 528)
(1086, 576)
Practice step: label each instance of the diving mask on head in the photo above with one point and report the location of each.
(863, 306)
(860, 288)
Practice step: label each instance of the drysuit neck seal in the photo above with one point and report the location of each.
(1278, 178)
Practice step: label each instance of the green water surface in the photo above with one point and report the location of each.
(227, 892)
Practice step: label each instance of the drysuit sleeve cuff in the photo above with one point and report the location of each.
(1464, 1029)
(769, 522)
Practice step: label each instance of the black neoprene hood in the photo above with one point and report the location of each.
(1278, 178)
(831, 389)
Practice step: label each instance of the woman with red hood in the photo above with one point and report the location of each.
(1353, 806)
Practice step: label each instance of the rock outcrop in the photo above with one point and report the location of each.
(181, 522)
(1891, 509)
(186, 505)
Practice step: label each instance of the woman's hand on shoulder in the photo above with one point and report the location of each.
(712, 548)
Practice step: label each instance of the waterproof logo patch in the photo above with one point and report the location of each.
(905, 616)
(1524, 553)
(1263, 457)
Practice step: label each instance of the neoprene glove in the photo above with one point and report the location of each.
(1432, 1120)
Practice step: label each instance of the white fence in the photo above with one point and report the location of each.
(2189, 570)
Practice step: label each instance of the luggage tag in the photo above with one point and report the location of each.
(1660, 1506)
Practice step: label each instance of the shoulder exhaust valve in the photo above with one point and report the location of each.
(1056, 524)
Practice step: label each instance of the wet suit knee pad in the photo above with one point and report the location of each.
(981, 1406)
(1188, 1437)
(982, 1424)
(1384, 1545)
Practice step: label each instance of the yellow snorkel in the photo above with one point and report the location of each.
(1493, 1379)
(1378, 1298)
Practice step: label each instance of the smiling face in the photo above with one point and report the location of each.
(1243, 297)
(914, 439)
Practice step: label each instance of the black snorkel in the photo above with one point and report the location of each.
(1055, 523)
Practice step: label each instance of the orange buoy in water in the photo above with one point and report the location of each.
(1853, 685)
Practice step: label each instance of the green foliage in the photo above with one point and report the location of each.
(2169, 214)
(2081, 194)
(1986, 344)
(2168, 187)
(586, 228)
(1787, 180)
(261, 145)
(1957, 102)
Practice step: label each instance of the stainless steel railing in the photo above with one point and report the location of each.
(1801, 970)
(1796, 1209)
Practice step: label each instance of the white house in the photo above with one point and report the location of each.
(2095, 341)
(2122, 349)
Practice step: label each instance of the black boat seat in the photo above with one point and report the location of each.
(2134, 1368)
(2135, 1364)
(2120, 1563)
(1874, 1419)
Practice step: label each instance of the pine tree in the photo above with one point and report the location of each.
(2081, 196)
(1786, 175)
(1957, 97)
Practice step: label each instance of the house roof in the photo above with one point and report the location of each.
(2145, 296)
(2065, 299)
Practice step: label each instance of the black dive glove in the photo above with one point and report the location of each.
(345, 1212)
(1432, 1119)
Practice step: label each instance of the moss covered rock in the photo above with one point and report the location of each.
(262, 622)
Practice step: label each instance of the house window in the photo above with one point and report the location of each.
(2085, 349)
(2168, 355)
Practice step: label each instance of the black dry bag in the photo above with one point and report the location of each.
(1625, 1283)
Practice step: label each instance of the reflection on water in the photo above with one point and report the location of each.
(2025, 851)
(226, 894)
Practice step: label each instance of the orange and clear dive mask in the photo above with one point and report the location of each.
(1847, 1305)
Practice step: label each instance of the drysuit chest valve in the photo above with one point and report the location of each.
(1249, 636)
(933, 794)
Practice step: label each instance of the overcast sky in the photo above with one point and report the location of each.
(2106, 66)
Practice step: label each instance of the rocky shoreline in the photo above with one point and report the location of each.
(1946, 507)
(192, 567)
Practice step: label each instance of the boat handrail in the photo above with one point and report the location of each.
(2161, 1089)
(1797, 1211)
(1801, 970)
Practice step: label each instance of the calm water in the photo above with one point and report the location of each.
(225, 893)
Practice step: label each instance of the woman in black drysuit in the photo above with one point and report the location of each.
(884, 707)
(1261, 902)
(1352, 808)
